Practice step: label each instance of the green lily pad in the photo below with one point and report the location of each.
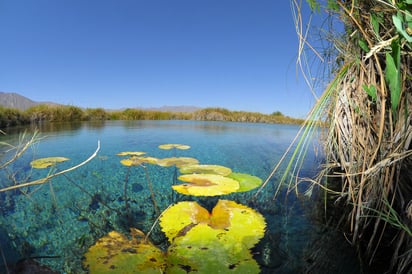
(131, 153)
(177, 161)
(116, 253)
(246, 181)
(47, 162)
(171, 146)
(208, 169)
(206, 185)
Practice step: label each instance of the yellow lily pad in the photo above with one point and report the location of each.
(244, 223)
(181, 216)
(115, 253)
(246, 181)
(131, 153)
(136, 161)
(177, 161)
(238, 222)
(47, 162)
(171, 146)
(219, 242)
(206, 185)
(204, 250)
(209, 169)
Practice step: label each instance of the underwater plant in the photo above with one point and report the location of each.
(199, 241)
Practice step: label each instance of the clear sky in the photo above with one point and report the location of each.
(235, 54)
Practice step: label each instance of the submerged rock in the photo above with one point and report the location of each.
(30, 266)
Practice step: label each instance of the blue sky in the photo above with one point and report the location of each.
(235, 54)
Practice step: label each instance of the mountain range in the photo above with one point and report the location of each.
(17, 101)
(20, 102)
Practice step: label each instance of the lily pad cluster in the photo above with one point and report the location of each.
(200, 242)
(198, 179)
(214, 180)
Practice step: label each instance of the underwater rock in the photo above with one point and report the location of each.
(30, 266)
(137, 187)
(269, 254)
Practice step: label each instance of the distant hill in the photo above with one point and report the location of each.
(17, 101)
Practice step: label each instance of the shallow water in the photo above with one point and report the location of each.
(61, 219)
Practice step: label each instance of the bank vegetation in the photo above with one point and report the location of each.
(62, 113)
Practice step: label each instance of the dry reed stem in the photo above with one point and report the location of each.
(366, 143)
(47, 178)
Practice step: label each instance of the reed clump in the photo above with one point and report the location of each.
(368, 142)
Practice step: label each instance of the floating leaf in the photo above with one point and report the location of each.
(182, 216)
(131, 153)
(209, 169)
(204, 250)
(246, 181)
(136, 161)
(246, 225)
(212, 243)
(115, 253)
(177, 161)
(206, 185)
(237, 223)
(171, 146)
(47, 162)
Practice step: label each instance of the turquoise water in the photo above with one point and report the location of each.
(61, 219)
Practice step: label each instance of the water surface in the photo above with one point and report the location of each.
(63, 218)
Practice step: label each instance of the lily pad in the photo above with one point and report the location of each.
(203, 250)
(171, 146)
(47, 162)
(209, 169)
(115, 253)
(131, 153)
(182, 216)
(136, 161)
(177, 161)
(246, 181)
(245, 225)
(206, 185)
(219, 242)
(237, 223)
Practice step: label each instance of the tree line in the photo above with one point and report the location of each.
(64, 113)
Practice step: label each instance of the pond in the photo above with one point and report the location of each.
(58, 221)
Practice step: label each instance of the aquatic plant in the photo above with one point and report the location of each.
(47, 162)
(172, 146)
(22, 148)
(136, 160)
(367, 139)
(200, 241)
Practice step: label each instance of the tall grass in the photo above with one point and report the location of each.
(63, 113)
(368, 142)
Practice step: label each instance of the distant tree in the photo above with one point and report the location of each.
(277, 113)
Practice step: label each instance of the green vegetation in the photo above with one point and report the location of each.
(199, 241)
(62, 113)
(368, 146)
